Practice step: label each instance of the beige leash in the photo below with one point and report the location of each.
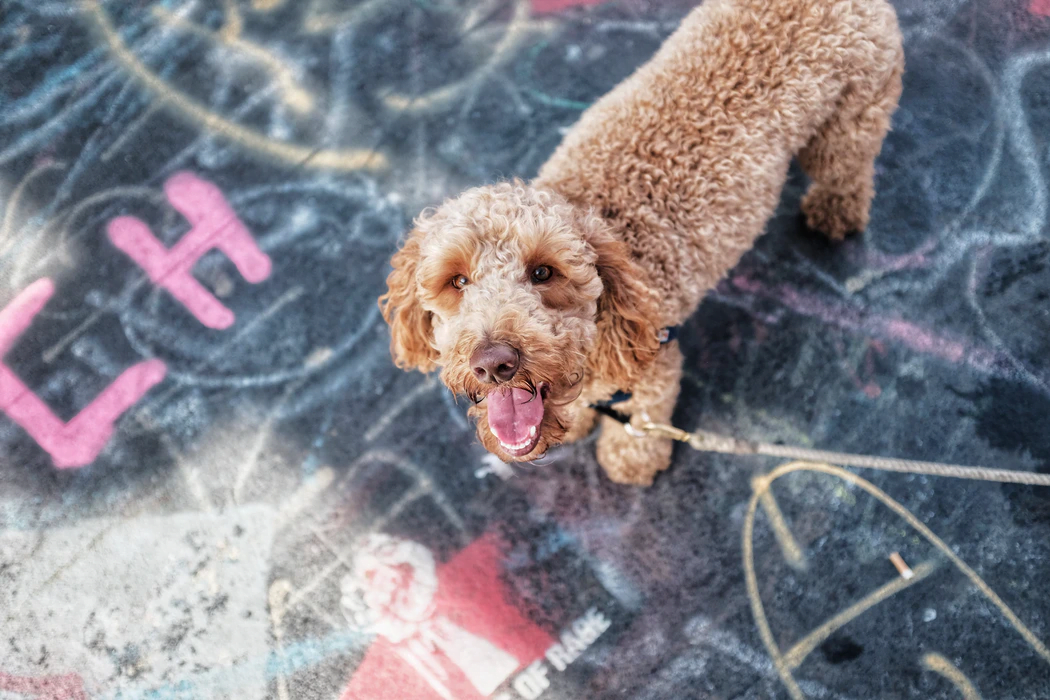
(712, 442)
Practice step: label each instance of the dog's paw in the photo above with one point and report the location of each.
(835, 214)
(632, 460)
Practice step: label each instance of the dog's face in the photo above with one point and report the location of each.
(520, 298)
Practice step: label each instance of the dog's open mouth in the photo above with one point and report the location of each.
(515, 416)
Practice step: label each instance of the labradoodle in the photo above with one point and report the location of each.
(539, 300)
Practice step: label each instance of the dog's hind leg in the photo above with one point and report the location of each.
(840, 157)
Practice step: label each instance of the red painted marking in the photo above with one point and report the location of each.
(67, 687)
(470, 594)
(214, 226)
(79, 441)
(1040, 7)
(545, 6)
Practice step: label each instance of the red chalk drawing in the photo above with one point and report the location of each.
(1040, 7)
(214, 226)
(443, 632)
(79, 441)
(67, 687)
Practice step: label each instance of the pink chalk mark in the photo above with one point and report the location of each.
(1040, 7)
(544, 6)
(922, 340)
(78, 442)
(67, 687)
(214, 226)
(906, 333)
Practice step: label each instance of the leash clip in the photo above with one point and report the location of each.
(643, 431)
(700, 440)
(646, 427)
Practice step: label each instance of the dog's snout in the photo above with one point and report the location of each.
(494, 362)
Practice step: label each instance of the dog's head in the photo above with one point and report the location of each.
(520, 298)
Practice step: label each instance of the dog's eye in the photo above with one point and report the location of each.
(542, 273)
(460, 281)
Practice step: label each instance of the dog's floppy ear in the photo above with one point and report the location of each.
(410, 323)
(628, 339)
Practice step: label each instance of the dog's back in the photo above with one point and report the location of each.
(688, 156)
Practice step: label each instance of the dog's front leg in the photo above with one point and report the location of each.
(636, 460)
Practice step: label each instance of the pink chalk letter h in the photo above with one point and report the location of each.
(79, 441)
(67, 687)
(214, 225)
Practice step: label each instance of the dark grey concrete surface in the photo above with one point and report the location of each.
(216, 544)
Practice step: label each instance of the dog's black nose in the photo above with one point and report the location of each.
(494, 362)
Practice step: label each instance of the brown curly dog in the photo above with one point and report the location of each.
(538, 300)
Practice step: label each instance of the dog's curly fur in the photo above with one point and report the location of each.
(649, 201)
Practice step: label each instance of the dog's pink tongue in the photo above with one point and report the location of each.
(513, 414)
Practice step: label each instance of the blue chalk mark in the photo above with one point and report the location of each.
(228, 681)
(313, 461)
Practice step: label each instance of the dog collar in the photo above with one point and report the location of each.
(666, 335)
